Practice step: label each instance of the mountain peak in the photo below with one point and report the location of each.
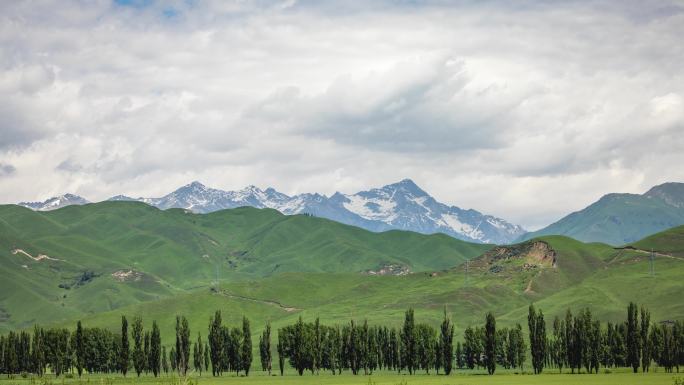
(671, 192)
(251, 188)
(406, 185)
(196, 185)
(121, 197)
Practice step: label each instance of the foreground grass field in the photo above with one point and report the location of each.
(551, 378)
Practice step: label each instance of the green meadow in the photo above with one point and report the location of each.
(459, 378)
(141, 261)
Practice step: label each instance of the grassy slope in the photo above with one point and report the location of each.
(667, 242)
(587, 275)
(255, 241)
(178, 252)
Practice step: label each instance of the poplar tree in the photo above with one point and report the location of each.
(198, 354)
(265, 349)
(138, 354)
(280, 347)
(206, 357)
(125, 350)
(37, 351)
(537, 327)
(164, 360)
(408, 342)
(646, 355)
(490, 343)
(447, 344)
(632, 338)
(246, 347)
(216, 343)
(559, 354)
(155, 349)
(146, 353)
(79, 348)
(182, 345)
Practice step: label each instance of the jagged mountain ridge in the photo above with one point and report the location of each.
(402, 205)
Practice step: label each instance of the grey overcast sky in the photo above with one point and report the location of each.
(522, 109)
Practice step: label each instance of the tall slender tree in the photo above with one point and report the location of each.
(632, 338)
(408, 341)
(125, 350)
(198, 354)
(643, 338)
(447, 343)
(206, 357)
(490, 343)
(216, 343)
(164, 360)
(155, 350)
(79, 348)
(146, 353)
(537, 327)
(182, 345)
(265, 348)
(37, 351)
(246, 347)
(138, 352)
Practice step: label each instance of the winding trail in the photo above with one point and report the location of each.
(39, 258)
(656, 253)
(288, 309)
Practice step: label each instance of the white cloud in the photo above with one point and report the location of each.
(523, 110)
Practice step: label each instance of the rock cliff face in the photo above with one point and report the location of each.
(524, 256)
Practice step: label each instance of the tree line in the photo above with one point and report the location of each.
(576, 342)
(98, 350)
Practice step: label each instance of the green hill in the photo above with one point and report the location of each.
(504, 280)
(139, 260)
(618, 219)
(98, 257)
(670, 242)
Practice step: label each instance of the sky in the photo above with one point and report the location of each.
(526, 110)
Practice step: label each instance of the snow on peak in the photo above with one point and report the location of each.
(401, 205)
(55, 202)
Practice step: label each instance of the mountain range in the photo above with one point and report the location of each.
(402, 205)
(615, 219)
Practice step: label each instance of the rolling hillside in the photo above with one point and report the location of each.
(504, 280)
(99, 257)
(129, 258)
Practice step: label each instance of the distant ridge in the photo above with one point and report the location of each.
(402, 205)
(55, 202)
(619, 219)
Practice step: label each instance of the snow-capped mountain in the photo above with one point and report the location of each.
(202, 199)
(401, 205)
(406, 206)
(55, 202)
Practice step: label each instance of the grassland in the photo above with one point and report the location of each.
(277, 268)
(587, 275)
(171, 253)
(458, 378)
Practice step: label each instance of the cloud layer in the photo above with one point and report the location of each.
(524, 111)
